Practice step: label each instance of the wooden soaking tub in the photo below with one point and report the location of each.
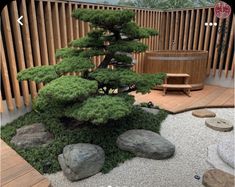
(190, 62)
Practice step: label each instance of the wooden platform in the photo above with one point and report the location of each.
(176, 101)
(16, 172)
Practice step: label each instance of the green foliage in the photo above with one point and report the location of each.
(38, 74)
(68, 88)
(44, 159)
(100, 109)
(133, 31)
(74, 64)
(108, 19)
(123, 58)
(120, 77)
(127, 46)
(67, 52)
(96, 96)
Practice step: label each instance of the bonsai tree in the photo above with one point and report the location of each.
(95, 95)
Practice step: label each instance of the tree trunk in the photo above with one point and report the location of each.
(106, 61)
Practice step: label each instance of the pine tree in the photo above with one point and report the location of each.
(96, 95)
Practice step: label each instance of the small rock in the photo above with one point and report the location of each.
(144, 143)
(215, 161)
(203, 113)
(226, 151)
(151, 110)
(31, 136)
(219, 124)
(81, 160)
(217, 178)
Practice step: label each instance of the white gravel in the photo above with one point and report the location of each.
(191, 138)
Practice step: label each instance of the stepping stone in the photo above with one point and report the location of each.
(217, 178)
(147, 144)
(215, 161)
(226, 151)
(203, 113)
(219, 124)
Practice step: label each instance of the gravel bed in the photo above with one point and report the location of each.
(191, 138)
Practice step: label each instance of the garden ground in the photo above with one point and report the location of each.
(191, 137)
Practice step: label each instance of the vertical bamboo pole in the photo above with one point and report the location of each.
(171, 31)
(212, 45)
(177, 23)
(5, 77)
(224, 48)
(34, 36)
(208, 29)
(63, 26)
(230, 48)
(196, 32)
(167, 31)
(181, 35)
(202, 29)
(217, 48)
(56, 25)
(49, 33)
(191, 29)
(19, 50)
(186, 31)
(27, 45)
(42, 34)
(11, 56)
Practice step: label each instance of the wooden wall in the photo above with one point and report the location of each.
(48, 26)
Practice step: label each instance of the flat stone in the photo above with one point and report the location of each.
(147, 144)
(151, 110)
(226, 151)
(203, 113)
(219, 124)
(215, 161)
(32, 136)
(217, 178)
(81, 160)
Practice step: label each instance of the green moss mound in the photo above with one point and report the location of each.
(44, 159)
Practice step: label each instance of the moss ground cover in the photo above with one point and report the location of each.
(44, 159)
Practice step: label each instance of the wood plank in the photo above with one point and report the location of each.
(11, 57)
(224, 97)
(171, 31)
(176, 36)
(19, 50)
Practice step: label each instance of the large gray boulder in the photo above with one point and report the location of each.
(81, 160)
(32, 136)
(147, 144)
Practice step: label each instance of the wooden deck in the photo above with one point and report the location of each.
(16, 172)
(177, 101)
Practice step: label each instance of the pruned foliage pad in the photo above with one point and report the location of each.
(95, 94)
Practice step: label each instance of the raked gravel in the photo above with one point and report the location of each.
(191, 137)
